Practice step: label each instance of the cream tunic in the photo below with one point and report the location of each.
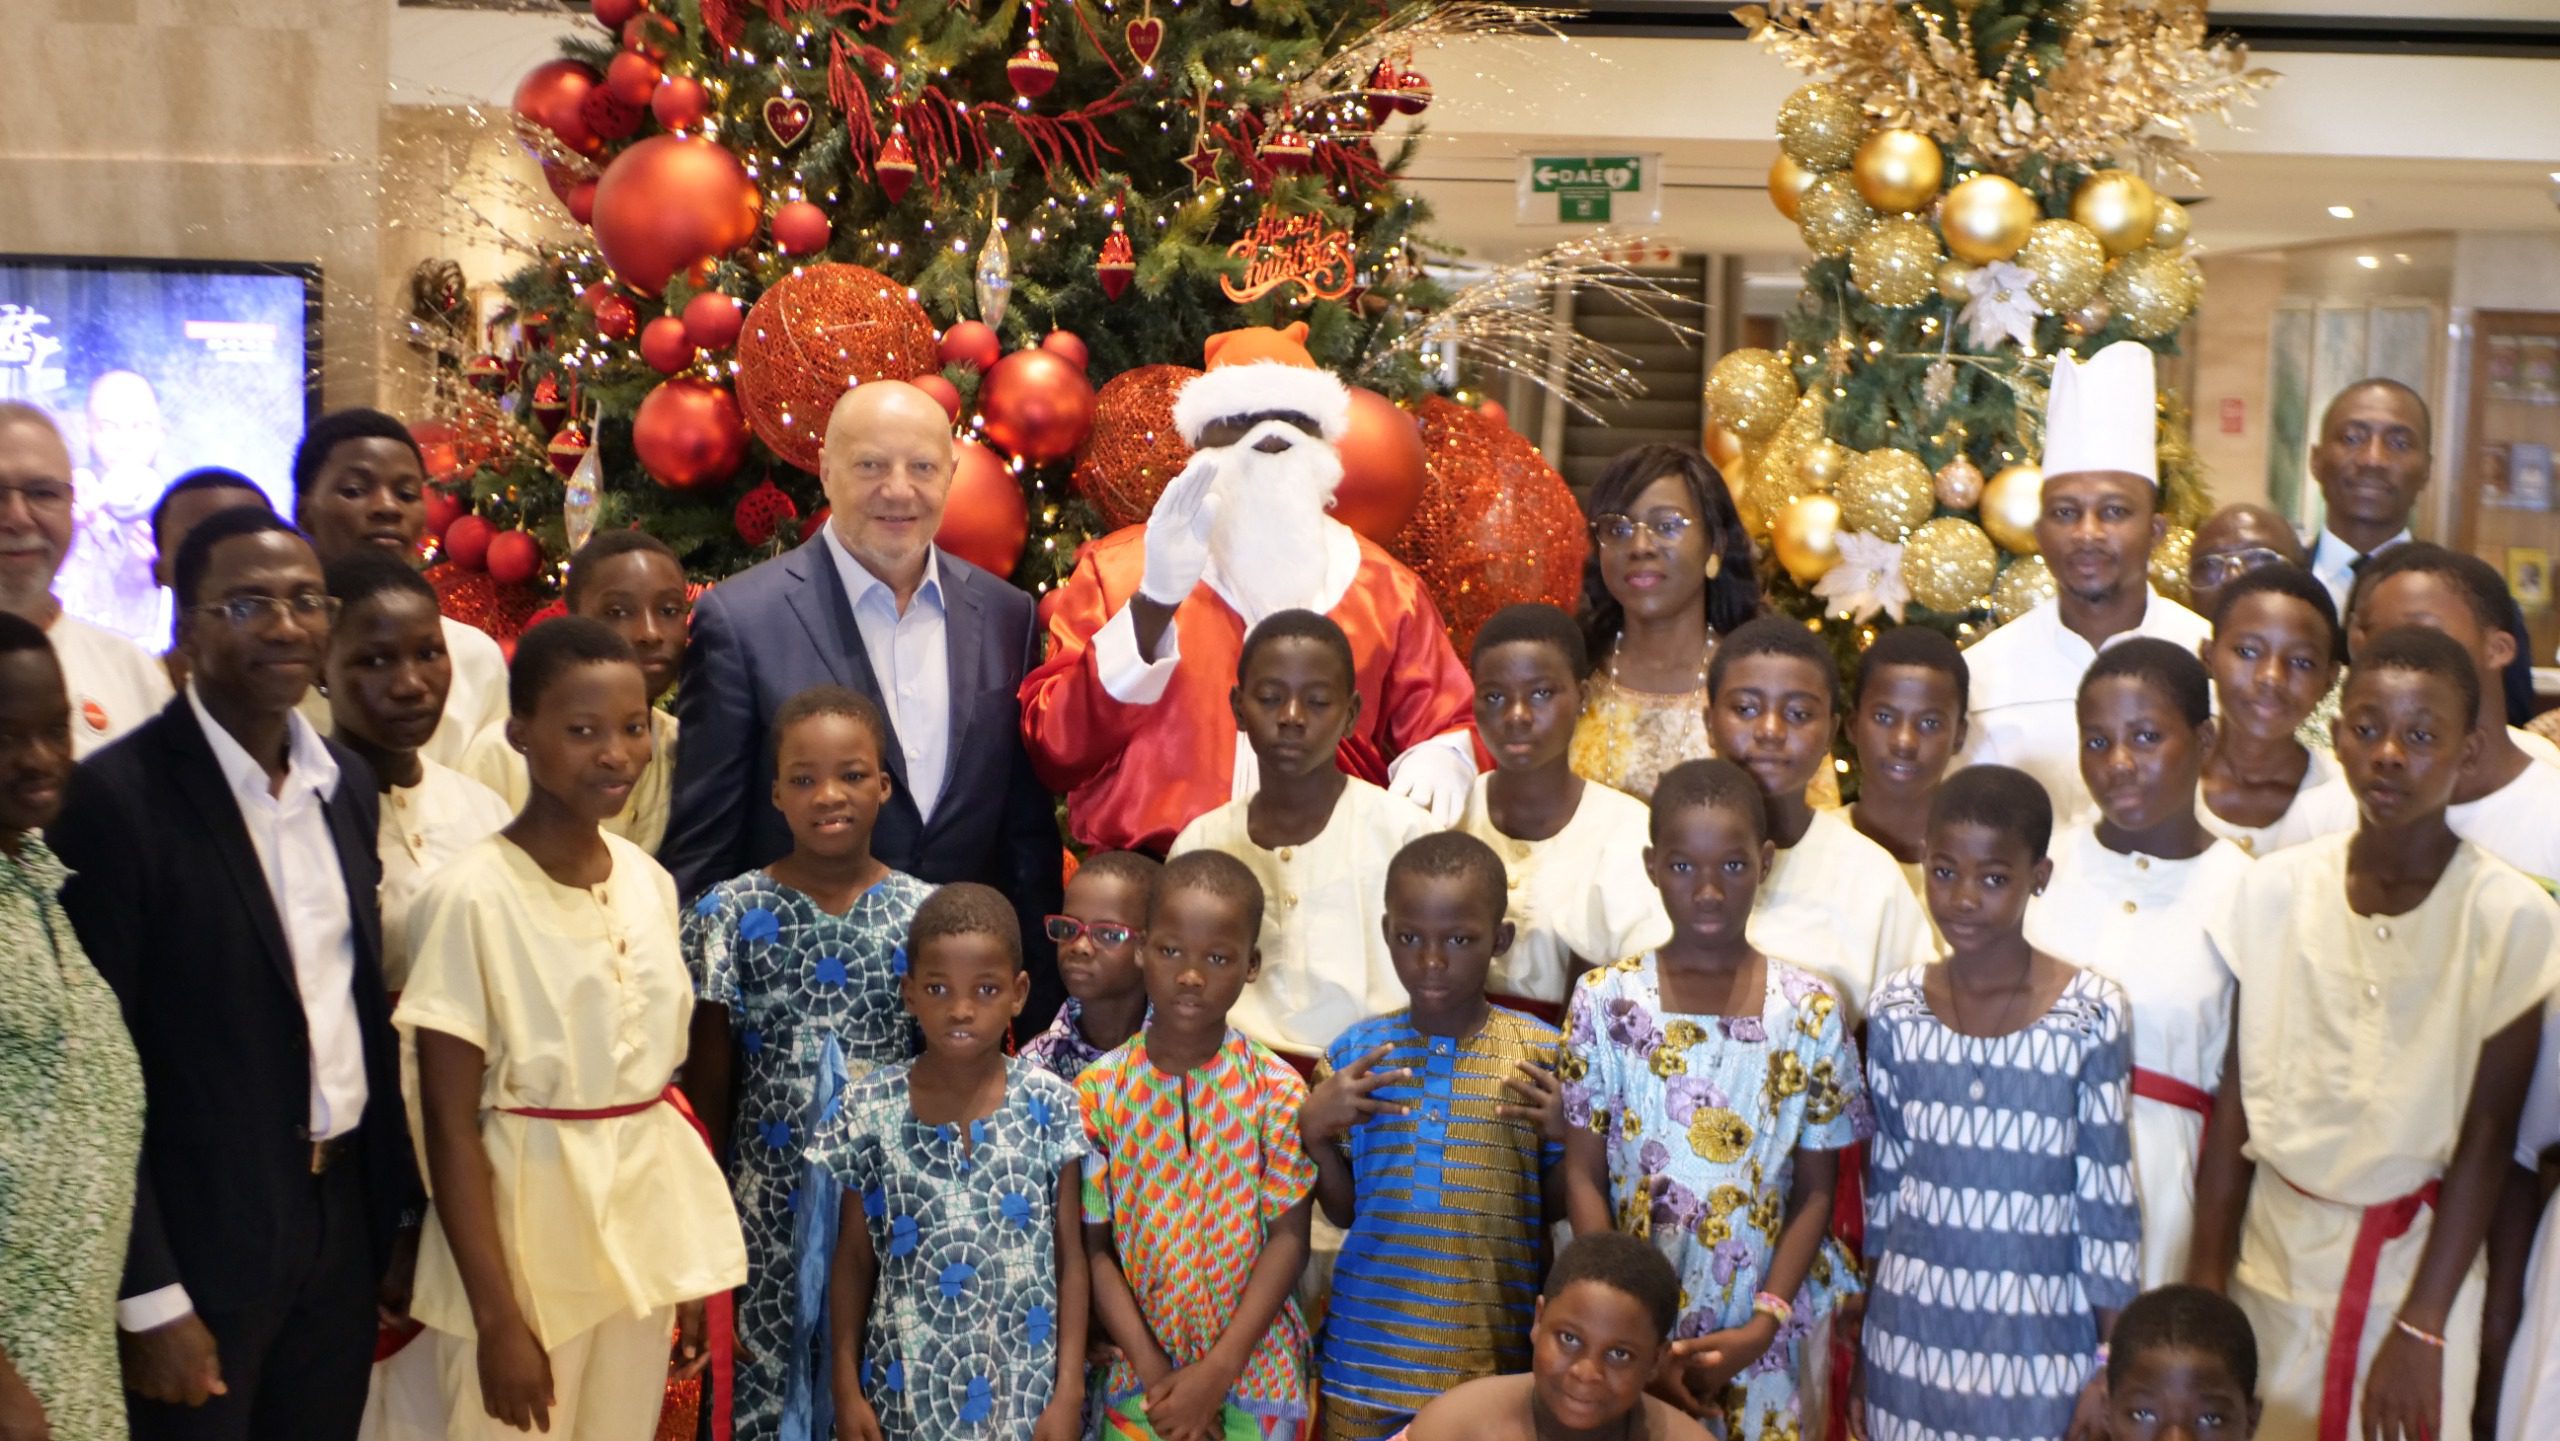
(580, 999)
(423, 826)
(2299, 823)
(1837, 905)
(1581, 892)
(643, 822)
(2140, 922)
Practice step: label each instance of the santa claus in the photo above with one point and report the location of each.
(1131, 715)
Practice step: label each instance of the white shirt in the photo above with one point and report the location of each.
(911, 658)
(115, 685)
(2026, 694)
(2333, 563)
(1580, 892)
(1836, 904)
(2299, 823)
(423, 826)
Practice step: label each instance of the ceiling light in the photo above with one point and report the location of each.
(2342, 212)
(2402, 257)
(2370, 262)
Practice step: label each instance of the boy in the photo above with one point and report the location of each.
(1317, 841)
(1195, 1194)
(2391, 986)
(1907, 722)
(630, 580)
(1097, 938)
(1434, 1132)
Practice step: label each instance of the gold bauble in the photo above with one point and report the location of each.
(1885, 493)
(1787, 182)
(1820, 127)
(1775, 467)
(1898, 169)
(2169, 563)
(1742, 482)
(1751, 392)
(1723, 447)
(1831, 214)
(1806, 537)
(1952, 275)
(1959, 484)
(1987, 218)
(1895, 263)
(1820, 465)
(2011, 501)
(1948, 564)
(2152, 292)
(2068, 262)
(2026, 584)
(2168, 225)
(2119, 208)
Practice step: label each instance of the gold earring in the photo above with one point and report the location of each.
(1715, 566)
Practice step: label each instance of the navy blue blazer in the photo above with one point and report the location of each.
(766, 634)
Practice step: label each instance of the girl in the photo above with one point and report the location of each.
(2130, 898)
(797, 967)
(958, 1297)
(2275, 653)
(2185, 1364)
(545, 1019)
(2002, 1234)
(1708, 1089)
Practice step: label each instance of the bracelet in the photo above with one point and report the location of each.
(2413, 1333)
(1773, 1306)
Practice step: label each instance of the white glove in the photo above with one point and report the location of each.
(1437, 775)
(1178, 533)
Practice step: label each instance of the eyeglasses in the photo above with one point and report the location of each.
(1618, 531)
(1063, 929)
(258, 612)
(2223, 567)
(40, 496)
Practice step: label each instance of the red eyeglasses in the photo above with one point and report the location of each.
(1063, 929)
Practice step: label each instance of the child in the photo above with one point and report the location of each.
(1709, 1088)
(1603, 1325)
(2275, 653)
(796, 967)
(957, 1300)
(2184, 1365)
(632, 581)
(1431, 1136)
(2002, 1231)
(1906, 721)
(1834, 901)
(1316, 840)
(2391, 986)
(545, 1016)
(1195, 1191)
(1575, 848)
(2130, 898)
(1097, 940)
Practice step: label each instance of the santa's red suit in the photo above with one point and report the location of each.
(1141, 748)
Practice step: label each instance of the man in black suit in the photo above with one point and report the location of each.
(873, 605)
(223, 882)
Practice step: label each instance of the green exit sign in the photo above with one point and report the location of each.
(1589, 189)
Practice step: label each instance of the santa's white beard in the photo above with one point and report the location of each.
(1270, 537)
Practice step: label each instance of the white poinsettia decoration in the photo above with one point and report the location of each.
(2002, 306)
(1868, 579)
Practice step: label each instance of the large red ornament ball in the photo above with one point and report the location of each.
(801, 228)
(985, 520)
(1383, 467)
(712, 320)
(1497, 526)
(1038, 406)
(972, 343)
(944, 393)
(633, 77)
(514, 557)
(680, 103)
(466, 541)
(665, 345)
(552, 95)
(1136, 452)
(689, 434)
(1068, 346)
(443, 509)
(616, 318)
(812, 336)
(669, 202)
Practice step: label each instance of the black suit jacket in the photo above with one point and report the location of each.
(173, 909)
(770, 632)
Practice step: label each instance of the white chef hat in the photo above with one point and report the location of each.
(2099, 414)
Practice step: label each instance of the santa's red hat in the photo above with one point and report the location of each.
(1262, 371)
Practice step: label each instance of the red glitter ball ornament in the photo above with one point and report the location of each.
(1497, 526)
(812, 336)
(469, 596)
(762, 512)
(551, 96)
(1135, 452)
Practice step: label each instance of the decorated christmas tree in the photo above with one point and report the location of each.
(1036, 211)
(1984, 186)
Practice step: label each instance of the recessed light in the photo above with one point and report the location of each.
(2342, 212)
(2555, 174)
(2370, 262)
(2401, 256)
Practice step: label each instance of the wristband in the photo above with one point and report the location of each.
(1772, 1306)
(2413, 1333)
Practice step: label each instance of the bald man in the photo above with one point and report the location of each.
(872, 604)
(2234, 541)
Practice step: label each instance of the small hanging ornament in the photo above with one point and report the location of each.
(896, 166)
(1413, 92)
(581, 498)
(567, 449)
(1119, 263)
(1031, 70)
(548, 408)
(1286, 150)
(1959, 483)
(763, 512)
(1938, 383)
(994, 275)
(1145, 36)
(485, 372)
(788, 120)
(1384, 90)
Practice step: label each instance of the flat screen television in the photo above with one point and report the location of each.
(153, 368)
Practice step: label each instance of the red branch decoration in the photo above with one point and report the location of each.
(874, 16)
(720, 20)
(943, 131)
(1069, 139)
(847, 93)
(1119, 77)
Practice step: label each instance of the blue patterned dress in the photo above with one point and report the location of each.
(2000, 1213)
(813, 1001)
(963, 1333)
(1703, 1116)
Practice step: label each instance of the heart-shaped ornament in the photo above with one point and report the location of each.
(1145, 36)
(786, 119)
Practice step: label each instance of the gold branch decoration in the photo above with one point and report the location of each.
(1344, 75)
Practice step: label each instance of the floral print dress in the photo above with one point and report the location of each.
(1703, 1116)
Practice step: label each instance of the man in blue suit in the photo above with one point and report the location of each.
(873, 605)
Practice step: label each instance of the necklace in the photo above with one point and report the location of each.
(1620, 644)
(1955, 1009)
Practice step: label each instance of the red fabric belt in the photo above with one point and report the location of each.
(668, 1097)
(2381, 1224)
(2170, 1091)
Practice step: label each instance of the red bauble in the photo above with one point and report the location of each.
(595, 295)
(1383, 467)
(1413, 92)
(801, 228)
(680, 103)
(1497, 526)
(443, 509)
(1287, 151)
(1136, 451)
(581, 201)
(664, 344)
(614, 14)
(972, 343)
(609, 117)
(548, 408)
(1067, 346)
(463, 445)
(896, 167)
(689, 434)
(513, 557)
(1031, 70)
(944, 393)
(761, 512)
(549, 97)
(566, 449)
(651, 34)
(1495, 410)
(616, 318)
(1382, 93)
(466, 541)
(486, 373)
(814, 334)
(633, 77)
(669, 202)
(1038, 406)
(985, 519)
(711, 320)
